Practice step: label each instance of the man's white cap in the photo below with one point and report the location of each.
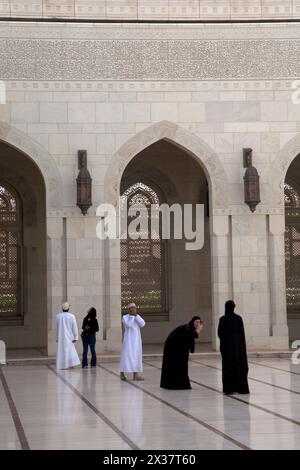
(132, 305)
(66, 306)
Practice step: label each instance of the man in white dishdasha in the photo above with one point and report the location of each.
(66, 337)
(131, 354)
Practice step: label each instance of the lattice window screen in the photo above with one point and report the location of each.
(143, 261)
(292, 249)
(10, 255)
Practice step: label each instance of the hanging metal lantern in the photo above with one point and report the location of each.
(84, 183)
(251, 181)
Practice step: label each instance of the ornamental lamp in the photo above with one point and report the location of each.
(251, 181)
(84, 183)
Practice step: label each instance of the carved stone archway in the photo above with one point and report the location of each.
(218, 195)
(278, 170)
(189, 142)
(43, 160)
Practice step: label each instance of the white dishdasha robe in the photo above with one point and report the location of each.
(131, 354)
(66, 333)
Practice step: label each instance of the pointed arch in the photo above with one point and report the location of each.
(43, 160)
(279, 168)
(189, 142)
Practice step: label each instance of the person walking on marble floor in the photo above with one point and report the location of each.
(66, 337)
(131, 360)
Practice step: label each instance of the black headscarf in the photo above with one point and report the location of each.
(229, 307)
(91, 321)
(191, 323)
(92, 314)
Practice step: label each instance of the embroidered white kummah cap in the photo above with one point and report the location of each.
(66, 306)
(132, 305)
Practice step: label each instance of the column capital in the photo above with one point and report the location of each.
(220, 225)
(276, 224)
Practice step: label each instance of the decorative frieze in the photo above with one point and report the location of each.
(205, 86)
(152, 9)
(244, 210)
(238, 210)
(31, 59)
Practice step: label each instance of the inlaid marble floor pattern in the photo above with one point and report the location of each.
(41, 408)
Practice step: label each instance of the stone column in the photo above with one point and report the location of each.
(221, 276)
(112, 292)
(279, 328)
(56, 287)
(250, 276)
(93, 279)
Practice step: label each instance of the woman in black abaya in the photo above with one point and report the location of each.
(233, 350)
(178, 345)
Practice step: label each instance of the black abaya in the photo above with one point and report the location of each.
(234, 354)
(181, 341)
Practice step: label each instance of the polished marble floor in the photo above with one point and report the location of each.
(41, 408)
(22, 354)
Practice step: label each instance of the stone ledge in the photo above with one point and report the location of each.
(160, 10)
(114, 358)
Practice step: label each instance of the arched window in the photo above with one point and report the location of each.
(144, 261)
(11, 308)
(292, 248)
